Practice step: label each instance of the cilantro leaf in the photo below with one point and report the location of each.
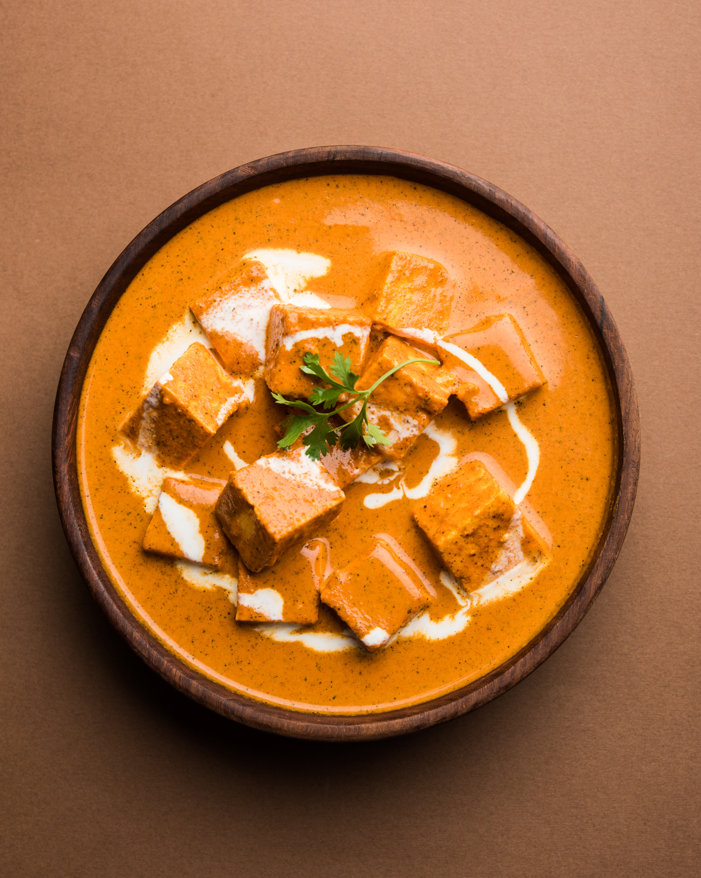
(323, 436)
(295, 404)
(312, 366)
(341, 368)
(352, 432)
(326, 396)
(296, 425)
(320, 440)
(373, 435)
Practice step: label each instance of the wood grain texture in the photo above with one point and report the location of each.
(313, 162)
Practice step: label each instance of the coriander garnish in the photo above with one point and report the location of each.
(323, 437)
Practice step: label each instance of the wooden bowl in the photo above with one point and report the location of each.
(274, 169)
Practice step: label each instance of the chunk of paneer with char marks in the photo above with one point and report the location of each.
(404, 404)
(234, 313)
(475, 527)
(294, 332)
(186, 407)
(378, 593)
(184, 524)
(501, 347)
(277, 501)
(409, 291)
(289, 590)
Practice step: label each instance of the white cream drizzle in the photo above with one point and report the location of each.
(376, 637)
(507, 584)
(231, 403)
(183, 525)
(308, 300)
(245, 318)
(334, 334)
(375, 475)
(145, 476)
(443, 463)
(249, 387)
(476, 366)
(397, 425)
(451, 583)
(176, 341)
(289, 272)
(532, 450)
(173, 345)
(266, 601)
(207, 577)
(377, 501)
(230, 452)
(301, 468)
(441, 629)
(527, 439)
(319, 641)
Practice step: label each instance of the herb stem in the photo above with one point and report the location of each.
(323, 436)
(365, 394)
(396, 369)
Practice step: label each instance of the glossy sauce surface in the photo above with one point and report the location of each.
(350, 221)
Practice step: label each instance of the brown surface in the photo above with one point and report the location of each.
(587, 113)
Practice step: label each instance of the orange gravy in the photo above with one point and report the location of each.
(350, 220)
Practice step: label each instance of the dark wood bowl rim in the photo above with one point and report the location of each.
(312, 162)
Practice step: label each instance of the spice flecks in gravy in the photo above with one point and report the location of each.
(347, 222)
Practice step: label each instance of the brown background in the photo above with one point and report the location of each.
(587, 111)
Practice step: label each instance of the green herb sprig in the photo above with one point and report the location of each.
(323, 437)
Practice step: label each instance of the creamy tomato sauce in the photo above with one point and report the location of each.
(554, 451)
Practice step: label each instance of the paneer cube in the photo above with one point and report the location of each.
(234, 313)
(184, 524)
(185, 408)
(501, 347)
(448, 380)
(476, 528)
(409, 291)
(294, 332)
(344, 466)
(289, 590)
(405, 403)
(378, 593)
(275, 502)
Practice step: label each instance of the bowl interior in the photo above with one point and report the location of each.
(300, 164)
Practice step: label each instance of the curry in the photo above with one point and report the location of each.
(375, 577)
